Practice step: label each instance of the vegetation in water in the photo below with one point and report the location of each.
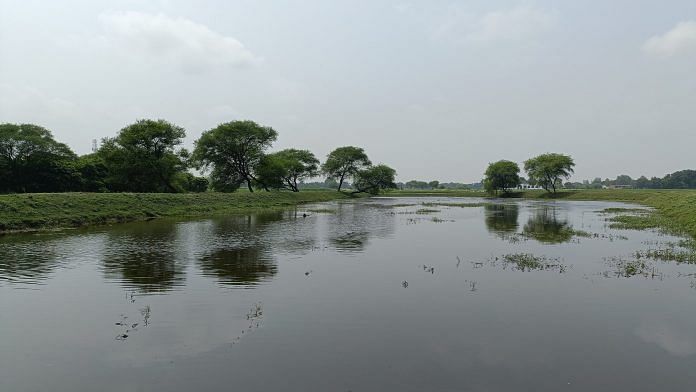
(530, 262)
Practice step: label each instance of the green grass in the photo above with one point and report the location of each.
(674, 210)
(29, 212)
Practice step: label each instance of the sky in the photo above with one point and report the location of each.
(435, 89)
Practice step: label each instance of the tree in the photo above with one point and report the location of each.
(345, 162)
(233, 150)
(502, 175)
(285, 168)
(434, 184)
(31, 160)
(93, 173)
(374, 179)
(143, 157)
(548, 170)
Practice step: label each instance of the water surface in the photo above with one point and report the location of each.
(369, 295)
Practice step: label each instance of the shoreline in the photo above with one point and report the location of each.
(44, 212)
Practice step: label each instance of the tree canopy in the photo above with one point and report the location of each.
(374, 179)
(345, 162)
(548, 170)
(501, 176)
(143, 157)
(31, 160)
(283, 169)
(233, 151)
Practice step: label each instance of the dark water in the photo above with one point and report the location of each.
(368, 297)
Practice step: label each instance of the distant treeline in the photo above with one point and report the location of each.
(146, 157)
(682, 179)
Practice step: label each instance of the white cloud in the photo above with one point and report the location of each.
(192, 46)
(676, 341)
(513, 24)
(680, 39)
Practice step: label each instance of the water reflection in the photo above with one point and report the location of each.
(501, 219)
(239, 266)
(31, 259)
(546, 226)
(350, 229)
(238, 250)
(144, 256)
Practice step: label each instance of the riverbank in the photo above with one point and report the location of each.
(674, 209)
(48, 211)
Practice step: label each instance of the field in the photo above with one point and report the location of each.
(674, 210)
(28, 212)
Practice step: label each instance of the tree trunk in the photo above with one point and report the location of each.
(249, 186)
(340, 182)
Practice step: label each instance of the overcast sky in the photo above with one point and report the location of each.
(435, 89)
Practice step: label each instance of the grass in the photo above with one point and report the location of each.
(530, 262)
(33, 212)
(674, 210)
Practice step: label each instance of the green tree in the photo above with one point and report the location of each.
(434, 184)
(143, 157)
(548, 170)
(93, 173)
(285, 168)
(31, 160)
(374, 179)
(502, 175)
(345, 162)
(233, 150)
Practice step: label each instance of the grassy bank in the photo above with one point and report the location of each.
(27, 212)
(675, 210)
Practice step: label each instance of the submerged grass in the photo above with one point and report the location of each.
(530, 262)
(31, 212)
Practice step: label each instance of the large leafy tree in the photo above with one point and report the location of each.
(345, 162)
(501, 176)
(233, 150)
(144, 157)
(374, 179)
(285, 168)
(548, 170)
(31, 160)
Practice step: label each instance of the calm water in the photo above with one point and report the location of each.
(369, 296)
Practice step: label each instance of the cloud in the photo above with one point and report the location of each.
(676, 341)
(191, 46)
(680, 39)
(513, 24)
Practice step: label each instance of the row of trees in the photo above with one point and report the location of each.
(546, 171)
(147, 157)
(682, 179)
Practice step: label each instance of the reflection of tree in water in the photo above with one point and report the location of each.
(545, 226)
(30, 259)
(27, 259)
(353, 224)
(144, 256)
(501, 219)
(238, 251)
(240, 266)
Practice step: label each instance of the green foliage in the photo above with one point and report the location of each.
(233, 151)
(434, 184)
(57, 210)
(548, 170)
(190, 183)
(501, 176)
(32, 161)
(285, 168)
(93, 173)
(143, 157)
(345, 162)
(374, 179)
